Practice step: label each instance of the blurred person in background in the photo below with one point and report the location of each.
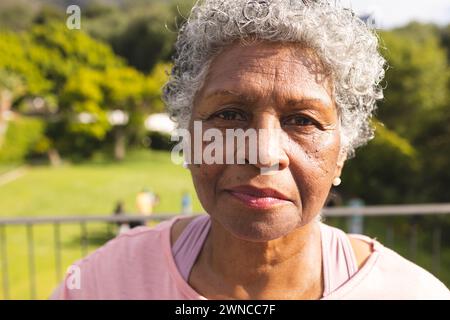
(125, 225)
(186, 203)
(146, 200)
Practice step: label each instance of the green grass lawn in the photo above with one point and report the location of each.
(93, 188)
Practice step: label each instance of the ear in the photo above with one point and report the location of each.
(340, 163)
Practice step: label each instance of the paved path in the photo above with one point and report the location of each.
(12, 175)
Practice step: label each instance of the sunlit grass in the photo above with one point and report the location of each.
(91, 188)
(94, 188)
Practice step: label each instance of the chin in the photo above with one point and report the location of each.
(259, 226)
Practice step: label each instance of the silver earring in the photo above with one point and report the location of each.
(337, 181)
(185, 164)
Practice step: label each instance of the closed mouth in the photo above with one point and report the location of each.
(258, 197)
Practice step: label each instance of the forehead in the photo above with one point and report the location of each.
(262, 69)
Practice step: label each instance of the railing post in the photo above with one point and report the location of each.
(356, 221)
(31, 266)
(413, 238)
(83, 239)
(390, 235)
(4, 254)
(436, 250)
(57, 240)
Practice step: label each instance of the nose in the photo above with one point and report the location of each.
(271, 153)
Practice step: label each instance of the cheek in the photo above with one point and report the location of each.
(205, 179)
(325, 156)
(317, 154)
(313, 162)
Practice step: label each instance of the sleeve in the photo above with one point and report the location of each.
(78, 284)
(410, 281)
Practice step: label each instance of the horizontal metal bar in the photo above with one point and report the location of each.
(86, 218)
(382, 210)
(390, 210)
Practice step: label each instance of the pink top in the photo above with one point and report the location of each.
(339, 262)
(141, 264)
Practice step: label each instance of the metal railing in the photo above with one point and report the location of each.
(411, 211)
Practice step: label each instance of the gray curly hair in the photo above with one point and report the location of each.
(344, 43)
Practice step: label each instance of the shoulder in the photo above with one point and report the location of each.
(362, 249)
(130, 242)
(409, 278)
(388, 275)
(121, 262)
(137, 243)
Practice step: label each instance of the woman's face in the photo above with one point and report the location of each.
(284, 90)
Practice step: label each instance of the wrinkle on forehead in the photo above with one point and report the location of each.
(262, 51)
(268, 69)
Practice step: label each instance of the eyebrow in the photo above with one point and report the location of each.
(229, 93)
(304, 101)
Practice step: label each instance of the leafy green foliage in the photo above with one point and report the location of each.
(84, 76)
(22, 137)
(153, 84)
(416, 80)
(382, 172)
(143, 32)
(16, 60)
(408, 161)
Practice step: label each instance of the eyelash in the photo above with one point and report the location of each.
(233, 112)
(295, 117)
(244, 117)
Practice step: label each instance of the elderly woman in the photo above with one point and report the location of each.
(307, 72)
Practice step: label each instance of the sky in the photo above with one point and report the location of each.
(393, 13)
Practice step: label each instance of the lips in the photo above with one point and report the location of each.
(259, 198)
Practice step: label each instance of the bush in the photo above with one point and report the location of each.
(160, 141)
(383, 172)
(22, 136)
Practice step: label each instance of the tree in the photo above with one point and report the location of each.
(18, 77)
(383, 171)
(10, 87)
(17, 15)
(153, 86)
(96, 95)
(146, 40)
(415, 114)
(445, 39)
(87, 81)
(416, 79)
(434, 144)
(143, 32)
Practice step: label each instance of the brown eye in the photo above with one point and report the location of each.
(230, 115)
(298, 120)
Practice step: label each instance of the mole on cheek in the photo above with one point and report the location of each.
(321, 155)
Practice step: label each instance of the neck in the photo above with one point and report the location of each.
(286, 266)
